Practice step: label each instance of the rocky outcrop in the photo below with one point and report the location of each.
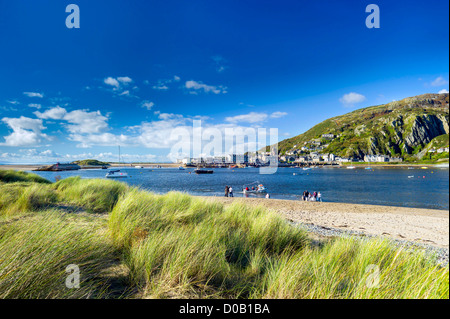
(425, 128)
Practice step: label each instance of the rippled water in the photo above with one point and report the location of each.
(379, 186)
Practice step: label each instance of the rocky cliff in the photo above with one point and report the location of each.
(401, 128)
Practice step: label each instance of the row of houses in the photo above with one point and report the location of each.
(265, 157)
(382, 159)
(252, 158)
(439, 150)
(315, 157)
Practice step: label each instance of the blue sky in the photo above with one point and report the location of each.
(135, 70)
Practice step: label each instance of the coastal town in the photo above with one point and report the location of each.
(310, 153)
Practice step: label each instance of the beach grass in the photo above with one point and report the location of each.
(36, 251)
(179, 246)
(95, 195)
(11, 176)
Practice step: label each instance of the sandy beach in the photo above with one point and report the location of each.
(412, 224)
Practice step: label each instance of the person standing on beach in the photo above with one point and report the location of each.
(319, 197)
(226, 191)
(230, 190)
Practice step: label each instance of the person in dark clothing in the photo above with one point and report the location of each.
(226, 191)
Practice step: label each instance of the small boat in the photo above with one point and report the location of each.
(411, 168)
(203, 171)
(368, 168)
(181, 168)
(139, 167)
(116, 174)
(411, 176)
(351, 167)
(424, 167)
(306, 168)
(256, 190)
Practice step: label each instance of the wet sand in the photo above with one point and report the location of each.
(411, 224)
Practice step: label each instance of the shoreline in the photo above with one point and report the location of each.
(416, 225)
(30, 167)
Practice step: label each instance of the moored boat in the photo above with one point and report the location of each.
(203, 171)
(116, 174)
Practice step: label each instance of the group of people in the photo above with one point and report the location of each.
(229, 191)
(312, 197)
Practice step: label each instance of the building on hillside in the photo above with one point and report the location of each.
(328, 136)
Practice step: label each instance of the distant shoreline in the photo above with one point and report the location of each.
(30, 167)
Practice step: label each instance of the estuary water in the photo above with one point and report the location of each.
(420, 188)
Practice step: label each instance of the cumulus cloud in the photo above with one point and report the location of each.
(351, 99)
(79, 121)
(26, 131)
(111, 81)
(443, 91)
(195, 86)
(147, 104)
(124, 79)
(120, 85)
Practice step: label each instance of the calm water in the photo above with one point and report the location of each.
(379, 186)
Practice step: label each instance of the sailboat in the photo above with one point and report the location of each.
(116, 173)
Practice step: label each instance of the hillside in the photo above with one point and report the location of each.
(401, 128)
(90, 162)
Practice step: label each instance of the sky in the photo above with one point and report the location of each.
(136, 71)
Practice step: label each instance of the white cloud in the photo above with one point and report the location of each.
(26, 131)
(55, 113)
(252, 117)
(147, 104)
(14, 102)
(176, 78)
(352, 98)
(127, 93)
(439, 81)
(86, 122)
(277, 115)
(34, 94)
(111, 81)
(80, 121)
(194, 86)
(124, 79)
(160, 86)
(103, 139)
(443, 91)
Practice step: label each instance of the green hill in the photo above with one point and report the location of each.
(401, 128)
(90, 162)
